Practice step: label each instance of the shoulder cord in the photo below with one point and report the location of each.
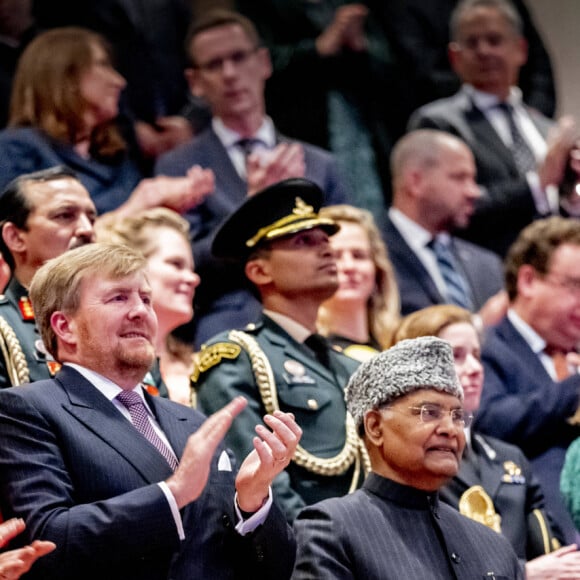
(353, 450)
(16, 366)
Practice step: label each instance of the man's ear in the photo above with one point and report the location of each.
(192, 77)
(63, 327)
(526, 279)
(13, 237)
(373, 427)
(258, 271)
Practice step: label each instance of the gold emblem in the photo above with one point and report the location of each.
(476, 504)
(213, 355)
(302, 209)
(312, 404)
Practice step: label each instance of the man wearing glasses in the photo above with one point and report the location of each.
(531, 392)
(229, 69)
(408, 406)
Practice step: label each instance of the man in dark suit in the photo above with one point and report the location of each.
(408, 406)
(244, 150)
(531, 394)
(278, 361)
(518, 167)
(434, 192)
(90, 460)
(42, 215)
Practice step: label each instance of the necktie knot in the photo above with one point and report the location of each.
(559, 361)
(320, 347)
(140, 419)
(247, 145)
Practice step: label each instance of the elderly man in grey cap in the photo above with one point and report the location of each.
(408, 405)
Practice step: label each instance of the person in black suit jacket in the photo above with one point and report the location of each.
(408, 406)
(495, 484)
(105, 485)
(244, 150)
(434, 194)
(519, 167)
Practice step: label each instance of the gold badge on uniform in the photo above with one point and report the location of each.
(513, 473)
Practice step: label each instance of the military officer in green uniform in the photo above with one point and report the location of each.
(42, 215)
(280, 362)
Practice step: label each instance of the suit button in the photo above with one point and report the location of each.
(259, 554)
(456, 558)
(312, 404)
(226, 521)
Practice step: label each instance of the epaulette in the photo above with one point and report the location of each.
(212, 355)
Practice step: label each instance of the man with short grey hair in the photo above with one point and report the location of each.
(408, 404)
(520, 168)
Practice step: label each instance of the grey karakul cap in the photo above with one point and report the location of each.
(417, 363)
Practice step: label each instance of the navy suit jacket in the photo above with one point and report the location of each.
(482, 270)
(518, 499)
(25, 149)
(387, 531)
(223, 287)
(523, 405)
(507, 204)
(82, 476)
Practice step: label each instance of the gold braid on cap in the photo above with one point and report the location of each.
(16, 366)
(353, 451)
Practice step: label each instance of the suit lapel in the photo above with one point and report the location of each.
(406, 259)
(96, 413)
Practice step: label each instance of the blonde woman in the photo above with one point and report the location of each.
(364, 311)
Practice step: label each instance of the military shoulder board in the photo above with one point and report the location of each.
(213, 355)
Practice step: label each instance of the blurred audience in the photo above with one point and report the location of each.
(531, 395)
(229, 68)
(420, 36)
(495, 484)
(63, 109)
(337, 84)
(147, 41)
(42, 215)
(15, 563)
(162, 236)
(521, 156)
(434, 194)
(361, 315)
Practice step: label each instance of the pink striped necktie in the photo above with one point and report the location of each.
(140, 419)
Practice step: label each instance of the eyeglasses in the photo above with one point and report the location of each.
(238, 58)
(566, 282)
(432, 413)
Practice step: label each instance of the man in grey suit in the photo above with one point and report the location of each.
(242, 147)
(408, 405)
(130, 486)
(519, 168)
(434, 192)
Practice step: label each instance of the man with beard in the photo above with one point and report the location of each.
(130, 486)
(42, 215)
(434, 192)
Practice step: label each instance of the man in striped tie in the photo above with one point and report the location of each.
(434, 193)
(130, 486)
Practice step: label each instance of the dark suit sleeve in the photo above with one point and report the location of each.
(321, 551)
(36, 485)
(521, 407)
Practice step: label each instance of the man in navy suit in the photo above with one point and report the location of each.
(434, 192)
(130, 489)
(242, 147)
(531, 393)
(519, 168)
